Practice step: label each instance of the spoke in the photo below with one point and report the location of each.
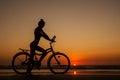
(19, 59)
(26, 58)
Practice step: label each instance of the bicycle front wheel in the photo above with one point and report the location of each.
(20, 62)
(59, 63)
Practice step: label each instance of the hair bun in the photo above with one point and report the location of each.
(41, 22)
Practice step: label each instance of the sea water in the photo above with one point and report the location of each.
(4, 72)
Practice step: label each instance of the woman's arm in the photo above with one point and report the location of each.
(45, 35)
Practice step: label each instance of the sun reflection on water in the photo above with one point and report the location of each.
(74, 72)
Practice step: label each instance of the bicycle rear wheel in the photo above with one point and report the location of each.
(20, 62)
(59, 63)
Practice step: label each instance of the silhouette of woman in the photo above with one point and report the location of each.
(38, 33)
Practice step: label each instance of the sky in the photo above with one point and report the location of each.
(88, 31)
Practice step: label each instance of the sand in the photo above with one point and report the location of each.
(61, 77)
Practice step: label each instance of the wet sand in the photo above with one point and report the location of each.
(47, 75)
(61, 77)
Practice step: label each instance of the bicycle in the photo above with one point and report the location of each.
(58, 63)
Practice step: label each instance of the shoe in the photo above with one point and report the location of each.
(38, 65)
(29, 74)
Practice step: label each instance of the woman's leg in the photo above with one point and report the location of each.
(31, 61)
(41, 50)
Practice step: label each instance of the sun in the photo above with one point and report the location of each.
(74, 64)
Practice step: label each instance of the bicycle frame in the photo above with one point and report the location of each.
(48, 50)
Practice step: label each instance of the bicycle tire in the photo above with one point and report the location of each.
(58, 67)
(22, 67)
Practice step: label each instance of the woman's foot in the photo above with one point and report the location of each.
(38, 65)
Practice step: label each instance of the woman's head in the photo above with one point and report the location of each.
(41, 23)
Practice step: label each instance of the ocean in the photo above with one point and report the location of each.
(4, 72)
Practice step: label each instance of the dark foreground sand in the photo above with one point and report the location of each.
(61, 77)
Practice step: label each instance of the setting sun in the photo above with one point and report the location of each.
(74, 64)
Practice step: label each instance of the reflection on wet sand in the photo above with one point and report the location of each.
(10, 72)
(94, 72)
(72, 74)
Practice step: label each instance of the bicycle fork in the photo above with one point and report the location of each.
(56, 60)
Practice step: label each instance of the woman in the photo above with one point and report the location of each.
(38, 33)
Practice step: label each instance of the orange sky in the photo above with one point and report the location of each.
(88, 31)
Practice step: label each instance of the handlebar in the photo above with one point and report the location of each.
(53, 39)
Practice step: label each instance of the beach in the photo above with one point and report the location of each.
(70, 75)
(61, 77)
